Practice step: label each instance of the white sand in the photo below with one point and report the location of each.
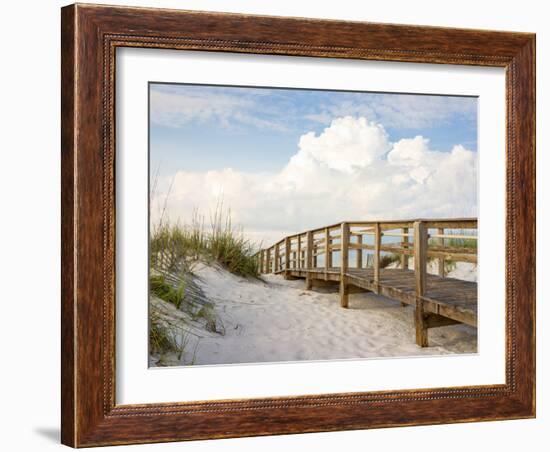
(277, 320)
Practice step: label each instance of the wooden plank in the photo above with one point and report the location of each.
(436, 321)
(360, 224)
(360, 246)
(442, 235)
(395, 225)
(467, 316)
(452, 224)
(396, 234)
(451, 250)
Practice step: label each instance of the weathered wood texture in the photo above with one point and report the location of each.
(91, 34)
(448, 297)
(344, 264)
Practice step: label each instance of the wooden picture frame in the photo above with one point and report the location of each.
(90, 36)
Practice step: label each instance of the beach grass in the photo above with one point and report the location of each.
(470, 244)
(159, 287)
(461, 243)
(161, 339)
(174, 251)
(390, 258)
(175, 244)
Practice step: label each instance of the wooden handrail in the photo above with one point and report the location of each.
(301, 250)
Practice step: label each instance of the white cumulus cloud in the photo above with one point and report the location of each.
(351, 171)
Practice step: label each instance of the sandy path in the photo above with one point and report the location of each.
(277, 320)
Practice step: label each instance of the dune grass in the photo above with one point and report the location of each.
(172, 245)
(387, 259)
(174, 250)
(159, 287)
(470, 244)
(161, 339)
(462, 243)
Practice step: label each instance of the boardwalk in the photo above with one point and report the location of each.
(438, 300)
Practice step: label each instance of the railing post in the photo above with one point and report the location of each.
(344, 262)
(298, 263)
(315, 250)
(404, 244)
(287, 256)
(261, 261)
(328, 255)
(441, 260)
(359, 255)
(276, 259)
(420, 255)
(309, 259)
(376, 262)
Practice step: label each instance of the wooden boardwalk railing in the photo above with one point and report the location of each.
(438, 299)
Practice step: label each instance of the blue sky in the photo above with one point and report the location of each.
(286, 160)
(257, 129)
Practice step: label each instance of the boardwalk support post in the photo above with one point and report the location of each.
(420, 255)
(328, 254)
(376, 261)
(309, 259)
(262, 257)
(344, 262)
(405, 245)
(359, 251)
(441, 260)
(405, 256)
(315, 250)
(287, 257)
(277, 261)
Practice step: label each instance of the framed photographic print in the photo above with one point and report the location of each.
(281, 225)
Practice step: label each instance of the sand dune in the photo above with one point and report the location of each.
(273, 320)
